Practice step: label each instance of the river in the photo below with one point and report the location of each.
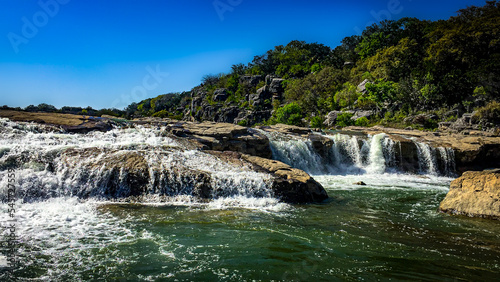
(389, 228)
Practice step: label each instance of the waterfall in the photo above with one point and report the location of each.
(138, 161)
(448, 160)
(351, 154)
(296, 152)
(377, 159)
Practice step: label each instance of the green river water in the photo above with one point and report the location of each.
(387, 230)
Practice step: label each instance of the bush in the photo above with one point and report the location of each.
(161, 114)
(289, 114)
(488, 114)
(344, 120)
(243, 122)
(363, 121)
(317, 122)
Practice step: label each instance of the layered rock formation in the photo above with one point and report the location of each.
(219, 108)
(223, 137)
(475, 193)
(68, 122)
(289, 184)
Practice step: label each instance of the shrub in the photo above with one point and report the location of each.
(344, 120)
(243, 122)
(289, 114)
(488, 114)
(363, 121)
(317, 122)
(161, 114)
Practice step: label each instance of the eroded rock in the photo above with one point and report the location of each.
(475, 193)
(224, 137)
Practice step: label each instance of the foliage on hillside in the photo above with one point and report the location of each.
(411, 67)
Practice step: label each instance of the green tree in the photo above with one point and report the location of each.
(289, 114)
(347, 96)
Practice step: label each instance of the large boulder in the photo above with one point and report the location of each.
(276, 86)
(331, 117)
(123, 173)
(291, 185)
(362, 86)
(475, 193)
(251, 80)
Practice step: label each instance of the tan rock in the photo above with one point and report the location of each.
(475, 193)
(69, 122)
(291, 184)
(223, 137)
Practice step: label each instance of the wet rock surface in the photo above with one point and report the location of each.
(289, 184)
(474, 150)
(475, 193)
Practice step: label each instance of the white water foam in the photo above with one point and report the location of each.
(43, 171)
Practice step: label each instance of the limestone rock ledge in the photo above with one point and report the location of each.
(475, 194)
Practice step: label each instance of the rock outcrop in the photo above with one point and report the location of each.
(289, 184)
(256, 107)
(67, 122)
(475, 193)
(122, 173)
(474, 150)
(224, 137)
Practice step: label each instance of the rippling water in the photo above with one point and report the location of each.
(387, 229)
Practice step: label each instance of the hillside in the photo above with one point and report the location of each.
(408, 72)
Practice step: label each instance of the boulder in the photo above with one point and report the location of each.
(276, 86)
(291, 185)
(223, 137)
(321, 144)
(227, 115)
(360, 114)
(475, 193)
(362, 86)
(251, 80)
(269, 79)
(421, 119)
(127, 171)
(360, 183)
(331, 117)
(220, 95)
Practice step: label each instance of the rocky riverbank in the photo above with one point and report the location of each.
(250, 147)
(475, 194)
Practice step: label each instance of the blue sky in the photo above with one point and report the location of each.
(110, 53)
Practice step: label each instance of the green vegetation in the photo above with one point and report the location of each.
(411, 67)
(289, 114)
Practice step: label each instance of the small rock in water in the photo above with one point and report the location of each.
(360, 183)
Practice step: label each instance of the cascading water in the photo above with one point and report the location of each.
(350, 154)
(427, 160)
(296, 152)
(52, 164)
(241, 233)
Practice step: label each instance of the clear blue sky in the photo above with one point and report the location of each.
(109, 53)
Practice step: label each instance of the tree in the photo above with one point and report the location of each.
(347, 96)
(289, 114)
